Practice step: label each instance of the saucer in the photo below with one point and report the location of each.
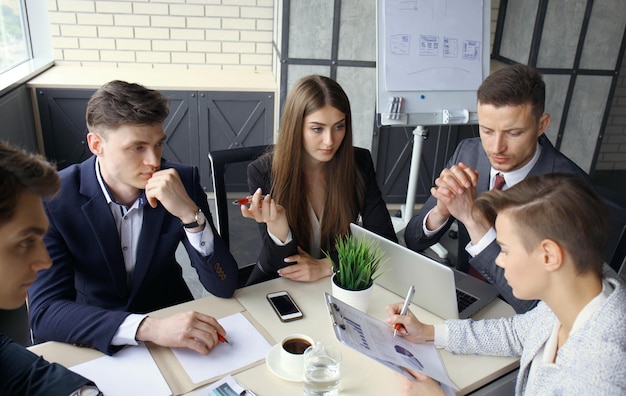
(273, 363)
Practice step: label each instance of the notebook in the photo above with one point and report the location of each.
(444, 291)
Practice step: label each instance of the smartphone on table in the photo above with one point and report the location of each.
(284, 306)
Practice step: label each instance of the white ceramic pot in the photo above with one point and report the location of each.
(358, 299)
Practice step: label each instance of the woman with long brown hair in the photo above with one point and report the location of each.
(316, 183)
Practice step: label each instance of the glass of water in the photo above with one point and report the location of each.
(322, 370)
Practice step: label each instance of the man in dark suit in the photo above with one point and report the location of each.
(512, 144)
(24, 180)
(114, 230)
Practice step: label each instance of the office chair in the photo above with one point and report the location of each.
(618, 262)
(244, 247)
(616, 245)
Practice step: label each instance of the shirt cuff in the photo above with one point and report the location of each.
(125, 334)
(427, 232)
(441, 335)
(277, 241)
(202, 241)
(485, 241)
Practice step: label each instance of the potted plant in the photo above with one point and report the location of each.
(359, 263)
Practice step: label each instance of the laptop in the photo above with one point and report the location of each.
(444, 291)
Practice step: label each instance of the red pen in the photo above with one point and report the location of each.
(222, 339)
(244, 201)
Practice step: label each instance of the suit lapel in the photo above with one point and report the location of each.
(147, 244)
(98, 215)
(484, 169)
(545, 163)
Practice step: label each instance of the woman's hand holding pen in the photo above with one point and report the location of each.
(264, 209)
(412, 329)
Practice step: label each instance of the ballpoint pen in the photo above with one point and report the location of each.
(222, 339)
(405, 307)
(245, 200)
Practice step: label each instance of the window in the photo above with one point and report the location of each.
(25, 42)
(14, 43)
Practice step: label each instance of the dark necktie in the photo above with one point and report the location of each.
(499, 183)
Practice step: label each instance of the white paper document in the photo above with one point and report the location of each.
(371, 337)
(227, 386)
(131, 371)
(247, 346)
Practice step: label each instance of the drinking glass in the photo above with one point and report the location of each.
(322, 370)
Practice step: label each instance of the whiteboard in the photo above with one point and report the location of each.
(431, 57)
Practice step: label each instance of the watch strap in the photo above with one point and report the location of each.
(195, 223)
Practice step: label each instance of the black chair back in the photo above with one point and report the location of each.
(247, 247)
(219, 160)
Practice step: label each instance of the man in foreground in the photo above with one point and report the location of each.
(24, 180)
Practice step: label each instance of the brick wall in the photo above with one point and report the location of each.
(217, 34)
(613, 150)
(182, 34)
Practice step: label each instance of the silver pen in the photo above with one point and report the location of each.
(405, 307)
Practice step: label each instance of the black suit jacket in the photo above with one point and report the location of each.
(24, 373)
(374, 214)
(470, 152)
(84, 297)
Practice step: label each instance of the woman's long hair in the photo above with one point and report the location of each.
(346, 186)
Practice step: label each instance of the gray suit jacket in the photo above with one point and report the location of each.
(591, 362)
(470, 152)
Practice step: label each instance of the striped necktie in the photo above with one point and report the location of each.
(499, 183)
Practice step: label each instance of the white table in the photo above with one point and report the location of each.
(360, 374)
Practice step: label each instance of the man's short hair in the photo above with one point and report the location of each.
(560, 207)
(22, 171)
(119, 103)
(513, 86)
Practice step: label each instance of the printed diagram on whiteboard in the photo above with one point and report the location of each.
(431, 46)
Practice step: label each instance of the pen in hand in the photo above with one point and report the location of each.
(245, 200)
(222, 339)
(405, 307)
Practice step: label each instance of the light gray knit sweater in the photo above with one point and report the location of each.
(591, 362)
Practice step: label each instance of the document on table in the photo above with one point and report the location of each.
(131, 371)
(247, 345)
(371, 337)
(227, 386)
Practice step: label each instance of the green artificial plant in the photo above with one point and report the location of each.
(359, 263)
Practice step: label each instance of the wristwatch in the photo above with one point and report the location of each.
(199, 220)
(87, 390)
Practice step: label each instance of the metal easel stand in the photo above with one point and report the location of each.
(420, 133)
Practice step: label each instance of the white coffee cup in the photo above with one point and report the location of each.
(292, 350)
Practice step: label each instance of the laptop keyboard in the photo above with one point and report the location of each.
(464, 300)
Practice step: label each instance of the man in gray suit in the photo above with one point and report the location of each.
(512, 144)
